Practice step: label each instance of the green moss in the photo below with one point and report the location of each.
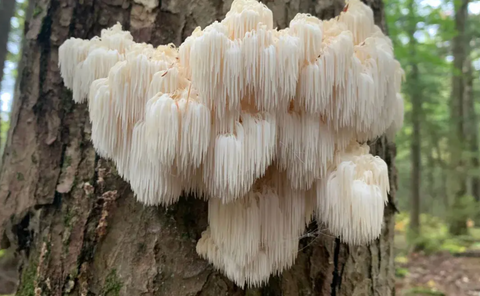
(34, 159)
(68, 222)
(37, 11)
(142, 247)
(67, 218)
(67, 161)
(27, 286)
(73, 273)
(20, 177)
(113, 284)
(75, 182)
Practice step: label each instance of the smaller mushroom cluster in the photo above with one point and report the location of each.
(264, 124)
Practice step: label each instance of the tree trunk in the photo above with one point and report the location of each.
(7, 9)
(27, 8)
(458, 113)
(415, 93)
(431, 185)
(472, 131)
(77, 224)
(443, 167)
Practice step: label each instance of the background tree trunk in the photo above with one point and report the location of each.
(415, 93)
(7, 9)
(459, 114)
(472, 131)
(77, 224)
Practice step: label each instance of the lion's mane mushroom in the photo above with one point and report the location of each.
(267, 125)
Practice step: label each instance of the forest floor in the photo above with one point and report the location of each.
(439, 274)
(446, 266)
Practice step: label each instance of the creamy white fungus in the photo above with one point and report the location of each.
(265, 124)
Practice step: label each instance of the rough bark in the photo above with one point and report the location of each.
(76, 223)
(458, 114)
(415, 93)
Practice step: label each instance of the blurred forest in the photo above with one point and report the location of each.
(438, 161)
(438, 229)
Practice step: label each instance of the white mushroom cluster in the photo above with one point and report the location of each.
(267, 125)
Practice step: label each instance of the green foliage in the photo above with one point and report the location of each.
(401, 272)
(454, 245)
(434, 237)
(421, 291)
(463, 208)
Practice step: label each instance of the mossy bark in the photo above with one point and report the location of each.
(77, 225)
